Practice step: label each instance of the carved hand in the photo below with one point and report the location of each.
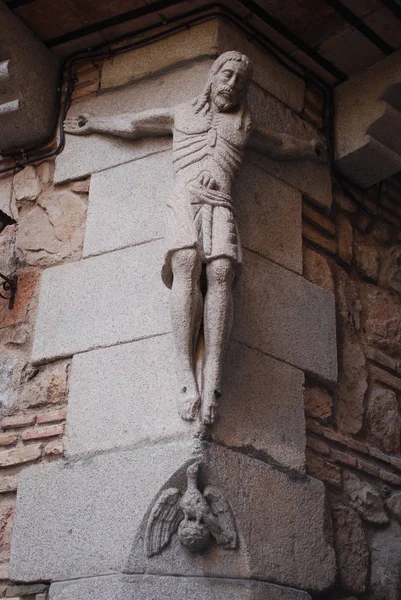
(80, 125)
(205, 178)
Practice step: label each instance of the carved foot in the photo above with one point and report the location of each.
(209, 411)
(188, 403)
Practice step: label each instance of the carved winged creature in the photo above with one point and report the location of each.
(197, 517)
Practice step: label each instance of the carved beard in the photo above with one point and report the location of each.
(224, 98)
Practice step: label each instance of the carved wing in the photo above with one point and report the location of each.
(163, 521)
(220, 520)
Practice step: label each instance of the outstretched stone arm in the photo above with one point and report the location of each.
(282, 146)
(146, 123)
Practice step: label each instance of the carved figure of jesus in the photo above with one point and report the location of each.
(203, 250)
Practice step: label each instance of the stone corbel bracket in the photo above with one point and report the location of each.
(28, 85)
(368, 123)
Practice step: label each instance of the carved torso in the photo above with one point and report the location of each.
(212, 142)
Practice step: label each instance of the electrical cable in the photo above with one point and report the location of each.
(101, 53)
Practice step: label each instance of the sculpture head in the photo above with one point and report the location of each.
(227, 85)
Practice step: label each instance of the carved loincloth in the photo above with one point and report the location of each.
(201, 218)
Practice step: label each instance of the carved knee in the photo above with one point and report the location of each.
(185, 263)
(220, 272)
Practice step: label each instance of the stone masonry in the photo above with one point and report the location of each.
(122, 440)
(117, 348)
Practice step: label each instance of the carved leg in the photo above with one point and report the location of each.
(186, 310)
(217, 326)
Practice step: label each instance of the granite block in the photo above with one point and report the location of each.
(101, 301)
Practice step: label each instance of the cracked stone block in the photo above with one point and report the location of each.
(31, 72)
(268, 211)
(148, 587)
(140, 392)
(84, 305)
(261, 407)
(53, 231)
(26, 184)
(285, 316)
(280, 518)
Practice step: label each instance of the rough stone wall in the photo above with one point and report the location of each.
(353, 430)
(49, 230)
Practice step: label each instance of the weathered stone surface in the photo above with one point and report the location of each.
(259, 395)
(200, 41)
(318, 404)
(391, 269)
(345, 236)
(45, 386)
(281, 314)
(351, 387)
(101, 301)
(8, 484)
(138, 381)
(98, 499)
(19, 456)
(148, 587)
(45, 171)
(261, 408)
(267, 72)
(85, 155)
(26, 590)
(317, 270)
(382, 319)
(7, 205)
(267, 297)
(309, 177)
(351, 548)
(269, 217)
(366, 258)
(383, 420)
(348, 301)
(385, 579)
(6, 524)
(53, 231)
(71, 544)
(8, 392)
(8, 262)
(264, 522)
(268, 212)
(26, 184)
(203, 41)
(127, 204)
(393, 504)
(365, 499)
(81, 187)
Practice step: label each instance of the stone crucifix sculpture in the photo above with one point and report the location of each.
(203, 250)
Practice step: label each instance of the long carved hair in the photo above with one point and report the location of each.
(202, 103)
